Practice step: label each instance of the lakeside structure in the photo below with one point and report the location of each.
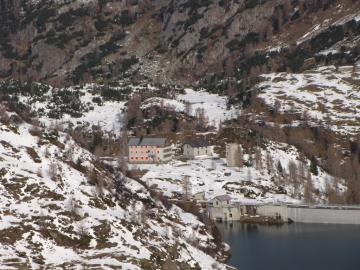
(236, 211)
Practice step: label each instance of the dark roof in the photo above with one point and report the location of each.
(222, 198)
(198, 143)
(146, 142)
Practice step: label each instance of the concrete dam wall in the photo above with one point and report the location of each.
(289, 212)
(324, 215)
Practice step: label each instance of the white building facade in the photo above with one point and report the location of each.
(196, 147)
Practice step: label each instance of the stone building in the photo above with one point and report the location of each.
(232, 150)
(149, 150)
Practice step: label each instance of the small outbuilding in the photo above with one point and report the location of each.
(221, 201)
(199, 196)
(198, 147)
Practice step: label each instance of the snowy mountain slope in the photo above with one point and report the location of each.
(325, 94)
(249, 184)
(51, 215)
(93, 108)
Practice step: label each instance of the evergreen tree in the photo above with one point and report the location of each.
(313, 166)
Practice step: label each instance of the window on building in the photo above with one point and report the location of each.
(136, 158)
(198, 152)
(132, 157)
(136, 152)
(158, 158)
(230, 215)
(217, 203)
(131, 152)
(142, 158)
(227, 201)
(158, 152)
(206, 151)
(147, 158)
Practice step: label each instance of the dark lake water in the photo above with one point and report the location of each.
(297, 246)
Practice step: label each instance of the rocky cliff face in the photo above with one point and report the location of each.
(200, 32)
(65, 42)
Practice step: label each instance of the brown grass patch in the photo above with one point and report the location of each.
(279, 79)
(352, 81)
(336, 90)
(311, 88)
(32, 153)
(337, 102)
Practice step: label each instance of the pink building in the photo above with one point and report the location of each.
(149, 150)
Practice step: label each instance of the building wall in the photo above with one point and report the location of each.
(164, 154)
(188, 150)
(231, 152)
(217, 203)
(199, 196)
(274, 211)
(224, 213)
(140, 154)
(191, 152)
(346, 68)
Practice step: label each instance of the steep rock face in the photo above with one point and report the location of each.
(49, 58)
(71, 41)
(200, 33)
(83, 41)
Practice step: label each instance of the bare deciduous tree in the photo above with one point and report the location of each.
(143, 215)
(201, 119)
(293, 176)
(269, 162)
(3, 113)
(186, 187)
(239, 158)
(258, 160)
(42, 221)
(82, 229)
(277, 107)
(100, 184)
(213, 165)
(249, 176)
(187, 107)
(72, 204)
(308, 189)
(53, 169)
